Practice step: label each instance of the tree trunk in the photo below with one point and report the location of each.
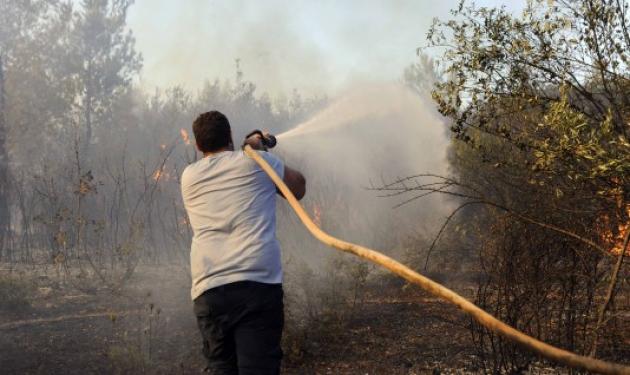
(88, 128)
(5, 217)
(87, 114)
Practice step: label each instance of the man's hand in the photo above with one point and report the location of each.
(255, 141)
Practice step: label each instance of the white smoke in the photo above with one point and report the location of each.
(371, 134)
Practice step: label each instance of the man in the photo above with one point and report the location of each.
(235, 256)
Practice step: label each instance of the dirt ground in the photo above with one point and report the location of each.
(150, 328)
(394, 335)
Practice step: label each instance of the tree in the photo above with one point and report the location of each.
(5, 218)
(563, 69)
(103, 61)
(541, 119)
(23, 31)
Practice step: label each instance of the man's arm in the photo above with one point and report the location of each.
(295, 181)
(292, 178)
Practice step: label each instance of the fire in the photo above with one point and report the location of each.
(156, 176)
(160, 174)
(621, 235)
(185, 136)
(607, 235)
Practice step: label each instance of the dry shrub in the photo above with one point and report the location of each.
(319, 305)
(14, 294)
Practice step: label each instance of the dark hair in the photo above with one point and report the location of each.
(212, 131)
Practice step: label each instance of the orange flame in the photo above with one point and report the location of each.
(160, 174)
(185, 136)
(610, 238)
(157, 175)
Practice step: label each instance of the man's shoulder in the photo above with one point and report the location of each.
(190, 171)
(243, 160)
(228, 160)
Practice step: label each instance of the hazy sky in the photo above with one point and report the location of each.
(317, 46)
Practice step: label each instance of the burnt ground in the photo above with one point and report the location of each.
(149, 328)
(397, 334)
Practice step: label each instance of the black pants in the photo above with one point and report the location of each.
(241, 326)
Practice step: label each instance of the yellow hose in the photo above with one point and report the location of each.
(485, 319)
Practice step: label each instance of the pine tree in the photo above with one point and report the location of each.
(105, 61)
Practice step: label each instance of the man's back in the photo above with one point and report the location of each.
(231, 204)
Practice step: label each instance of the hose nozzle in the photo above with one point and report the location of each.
(268, 140)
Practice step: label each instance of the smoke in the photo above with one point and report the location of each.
(315, 47)
(112, 213)
(371, 134)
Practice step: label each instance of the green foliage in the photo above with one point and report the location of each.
(570, 145)
(551, 84)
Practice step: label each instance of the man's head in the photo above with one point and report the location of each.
(212, 132)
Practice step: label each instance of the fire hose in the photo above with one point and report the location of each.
(490, 322)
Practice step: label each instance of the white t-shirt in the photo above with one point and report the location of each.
(231, 204)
